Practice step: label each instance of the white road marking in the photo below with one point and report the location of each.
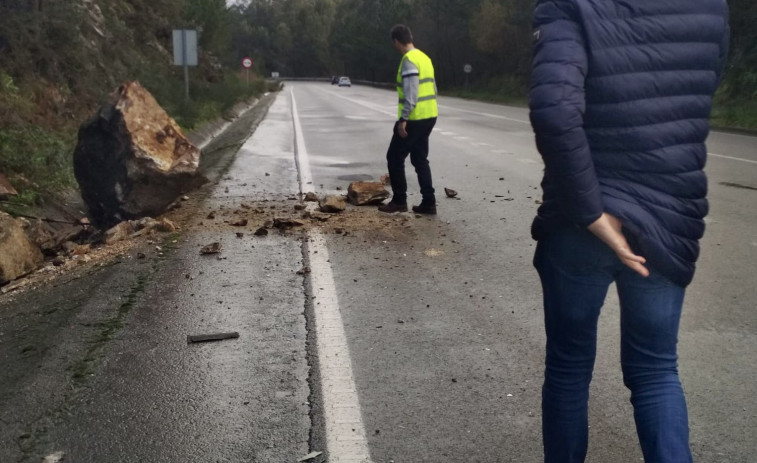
(345, 432)
(495, 116)
(301, 153)
(372, 107)
(732, 158)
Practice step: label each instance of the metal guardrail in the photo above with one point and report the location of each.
(328, 79)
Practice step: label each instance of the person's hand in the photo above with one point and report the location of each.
(608, 229)
(402, 129)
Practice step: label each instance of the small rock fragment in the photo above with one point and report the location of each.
(303, 271)
(212, 248)
(310, 196)
(262, 231)
(239, 223)
(450, 193)
(333, 203)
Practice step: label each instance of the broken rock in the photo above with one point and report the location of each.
(120, 232)
(212, 248)
(333, 203)
(18, 255)
(132, 159)
(367, 193)
(284, 223)
(312, 197)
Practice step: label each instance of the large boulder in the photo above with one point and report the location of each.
(132, 159)
(18, 256)
(367, 193)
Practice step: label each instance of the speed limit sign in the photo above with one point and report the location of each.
(247, 63)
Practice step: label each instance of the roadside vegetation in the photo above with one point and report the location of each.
(59, 59)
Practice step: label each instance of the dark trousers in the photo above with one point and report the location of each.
(415, 144)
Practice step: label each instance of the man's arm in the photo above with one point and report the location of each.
(410, 83)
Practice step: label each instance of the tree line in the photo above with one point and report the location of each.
(308, 38)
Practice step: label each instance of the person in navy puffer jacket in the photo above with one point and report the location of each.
(620, 100)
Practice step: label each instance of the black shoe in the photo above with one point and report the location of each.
(425, 208)
(391, 207)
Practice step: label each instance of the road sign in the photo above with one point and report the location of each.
(185, 53)
(247, 63)
(185, 47)
(467, 68)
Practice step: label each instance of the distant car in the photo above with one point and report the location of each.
(334, 80)
(344, 81)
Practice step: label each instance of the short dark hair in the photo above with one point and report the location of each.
(402, 33)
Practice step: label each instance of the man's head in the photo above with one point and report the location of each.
(401, 36)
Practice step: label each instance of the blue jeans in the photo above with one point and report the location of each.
(576, 270)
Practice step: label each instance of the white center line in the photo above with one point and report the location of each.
(732, 158)
(495, 116)
(345, 432)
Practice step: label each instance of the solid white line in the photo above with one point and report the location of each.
(732, 158)
(303, 161)
(345, 432)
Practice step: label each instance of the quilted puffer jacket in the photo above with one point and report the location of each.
(620, 100)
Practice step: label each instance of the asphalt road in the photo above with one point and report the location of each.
(414, 339)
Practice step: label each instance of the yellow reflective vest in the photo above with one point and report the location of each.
(426, 107)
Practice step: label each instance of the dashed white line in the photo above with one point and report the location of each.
(495, 116)
(732, 158)
(345, 432)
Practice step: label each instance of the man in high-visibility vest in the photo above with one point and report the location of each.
(416, 117)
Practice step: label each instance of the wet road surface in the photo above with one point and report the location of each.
(412, 339)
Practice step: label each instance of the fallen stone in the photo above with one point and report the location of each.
(284, 223)
(39, 234)
(303, 271)
(68, 247)
(18, 255)
(239, 223)
(132, 160)
(315, 215)
(262, 231)
(166, 226)
(333, 203)
(311, 197)
(450, 193)
(367, 193)
(6, 189)
(212, 248)
(120, 232)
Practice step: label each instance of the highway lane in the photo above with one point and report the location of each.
(443, 318)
